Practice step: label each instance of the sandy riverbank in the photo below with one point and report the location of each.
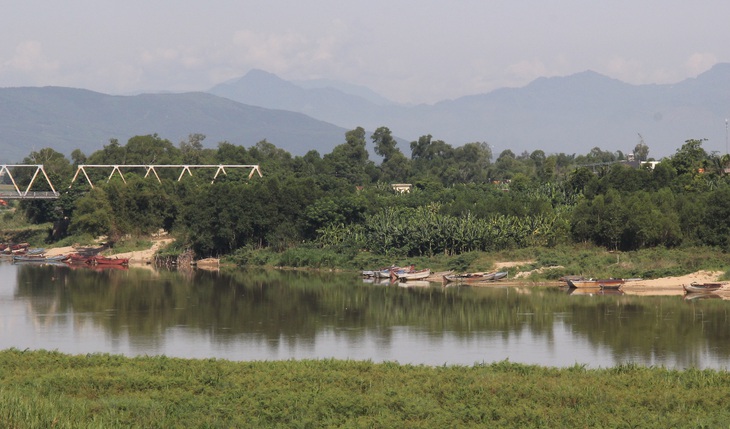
(660, 286)
(140, 257)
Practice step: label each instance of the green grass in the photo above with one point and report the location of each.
(552, 262)
(131, 245)
(49, 389)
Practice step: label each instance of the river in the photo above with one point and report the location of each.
(248, 315)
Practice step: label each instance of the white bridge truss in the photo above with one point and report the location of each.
(220, 168)
(17, 193)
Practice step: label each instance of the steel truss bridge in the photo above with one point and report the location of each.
(39, 174)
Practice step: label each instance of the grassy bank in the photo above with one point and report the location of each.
(49, 389)
(545, 263)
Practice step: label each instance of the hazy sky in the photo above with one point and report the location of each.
(409, 51)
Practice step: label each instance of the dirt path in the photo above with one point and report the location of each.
(145, 256)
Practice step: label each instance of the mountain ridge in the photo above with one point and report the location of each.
(69, 118)
(571, 113)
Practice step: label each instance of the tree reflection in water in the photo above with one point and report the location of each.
(293, 310)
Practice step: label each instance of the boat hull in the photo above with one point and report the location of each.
(416, 275)
(702, 287)
(100, 260)
(596, 283)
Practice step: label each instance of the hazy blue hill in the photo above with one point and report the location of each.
(569, 114)
(324, 102)
(357, 90)
(68, 118)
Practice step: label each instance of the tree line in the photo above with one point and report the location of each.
(462, 198)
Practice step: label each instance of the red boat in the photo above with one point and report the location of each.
(15, 249)
(77, 258)
(103, 260)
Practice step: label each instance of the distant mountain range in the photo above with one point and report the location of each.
(570, 114)
(66, 119)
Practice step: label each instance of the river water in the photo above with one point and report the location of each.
(278, 315)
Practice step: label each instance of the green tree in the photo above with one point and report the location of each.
(93, 214)
(690, 158)
(385, 144)
(191, 151)
(473, 163)
(58, 169)
(350, 159)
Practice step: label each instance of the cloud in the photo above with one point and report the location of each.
(527, 70)
(700, 62)
(292, 53)
(30, 59)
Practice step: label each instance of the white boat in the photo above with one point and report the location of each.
(414, 275)
(702, 287)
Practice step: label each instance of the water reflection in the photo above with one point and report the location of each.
(266, 315)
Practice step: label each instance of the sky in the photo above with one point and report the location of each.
(410, 51)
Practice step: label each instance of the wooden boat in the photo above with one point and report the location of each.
(414, 275)
(468, 277)
(380, 274)
(438, 276)
(695, 287)
(500, 275)
(611, 286)
(103, 260)
(39, 259)
(390, 272)
(16, 249)
(77, 258)
(596, 283)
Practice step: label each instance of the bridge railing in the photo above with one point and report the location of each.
(17, 193)
(29, 195)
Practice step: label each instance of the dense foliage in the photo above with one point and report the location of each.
(461, 200)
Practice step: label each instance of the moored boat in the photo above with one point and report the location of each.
(390, 272)
(611, 286)
(596, 283)
(103, 260)
(77, 258)
(695, 287)
(414, 275)
(39, 259)
(468, 277)
(500, 275)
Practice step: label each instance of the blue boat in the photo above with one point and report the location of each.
(39, 259)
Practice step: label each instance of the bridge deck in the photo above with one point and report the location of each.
(31, 195)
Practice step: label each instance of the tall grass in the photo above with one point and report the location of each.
(49, 389)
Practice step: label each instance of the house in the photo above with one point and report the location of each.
(403, 188)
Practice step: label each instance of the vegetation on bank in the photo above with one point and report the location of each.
(542, 263)
(340, 208)
(50, 389)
